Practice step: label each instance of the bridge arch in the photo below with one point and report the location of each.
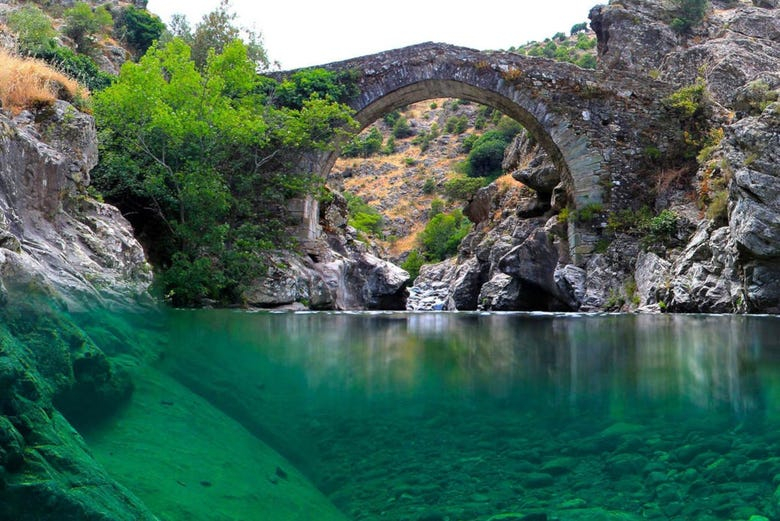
(525, 89)
(592, 127)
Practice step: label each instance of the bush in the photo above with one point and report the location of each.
(578, 28)
(688, 13)
(78, 66)
(485, 159)
(456, 125)
(307, 84)
(463, 188)
(413, 263)
(401, 128)
(429, 186)
(362, 216)
(437, 207)
(442, 235)
(364, 146)
(33, 29)
(82, 23)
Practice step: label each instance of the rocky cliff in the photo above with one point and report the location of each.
(695, 236)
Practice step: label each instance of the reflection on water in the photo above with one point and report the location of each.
(367, 403)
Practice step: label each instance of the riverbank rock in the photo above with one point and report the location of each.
(50, 229)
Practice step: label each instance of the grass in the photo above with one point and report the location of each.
(26, 83)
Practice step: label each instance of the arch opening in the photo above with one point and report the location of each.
(424, 90)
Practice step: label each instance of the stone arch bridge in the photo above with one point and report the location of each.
(594, 126)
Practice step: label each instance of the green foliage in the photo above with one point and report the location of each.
(138, 28)
(391, 117)
(78, 66)
(82, 23)
(401, 128)
(487, 151)
(362, 216)
(214, 32)
(437, 207)
(688, 13)
(308, 84)
(464, 188)
(429, 186)
(687, 102)
(364, 146)
(33, 29)
(190, 156)
(456, 124)
(442, 235)
(413, 263)
(586, 61)
(578, 28)
(389, 147)
(718, 206)
(652, 229)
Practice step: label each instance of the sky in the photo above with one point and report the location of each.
(305, 33)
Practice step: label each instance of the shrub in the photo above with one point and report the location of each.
(78, 66)
(485, 158)
(28, 83)
(456, 124)
(413, 263)
(391, 117)
(363, 216)
(401, 128)
(688, 13)
(586, 61)
(364, 145)
(429, 186)
(389, 147)
(463, 188)
(82, 23)
(437, 207)
(33, 29)
(442, 235)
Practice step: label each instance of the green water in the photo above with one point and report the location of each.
(452, 416)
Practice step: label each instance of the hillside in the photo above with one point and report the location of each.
(403, 184)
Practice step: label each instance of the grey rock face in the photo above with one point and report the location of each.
(51, 230)
(538, 173)
(651, 275)
(705, 277)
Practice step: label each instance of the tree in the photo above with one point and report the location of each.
(195, 158)
(139, 28)
(216, 30)
(579, 28)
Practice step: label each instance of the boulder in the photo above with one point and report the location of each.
(500, 293)
(465, 286)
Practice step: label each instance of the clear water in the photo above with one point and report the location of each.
(449, 416)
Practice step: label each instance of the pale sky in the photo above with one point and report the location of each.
(301, 34)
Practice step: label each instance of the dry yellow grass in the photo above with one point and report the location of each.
(27, 83)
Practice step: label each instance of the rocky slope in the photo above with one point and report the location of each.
(706, 239)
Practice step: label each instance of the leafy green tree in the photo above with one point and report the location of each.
(442, 235)
(82, 23)
(463, 188)
(33, 29)
(364, 146)
(578, 28)
(139, 28)
(216, 30)
(195, 159)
